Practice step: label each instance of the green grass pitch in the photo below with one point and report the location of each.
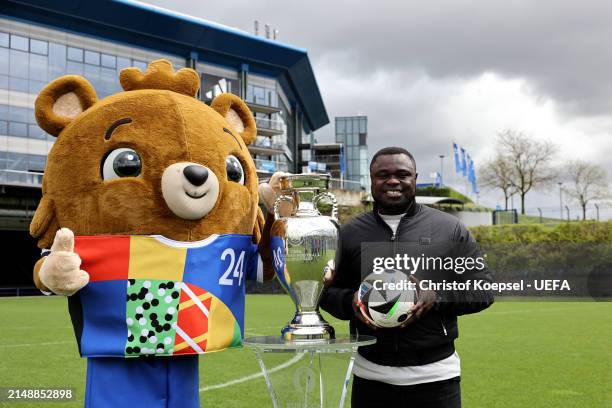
(515, 354)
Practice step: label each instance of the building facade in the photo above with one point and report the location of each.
(42, 40)
(352, 133)
(329, 155)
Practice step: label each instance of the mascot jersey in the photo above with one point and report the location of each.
(149, 295)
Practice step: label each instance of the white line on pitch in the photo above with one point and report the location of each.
(33, 344)
(286, 364)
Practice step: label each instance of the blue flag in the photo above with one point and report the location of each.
(341, 161)
(463, 163)
(471, 176)
(458, 168)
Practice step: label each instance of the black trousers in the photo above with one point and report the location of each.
(374, 394)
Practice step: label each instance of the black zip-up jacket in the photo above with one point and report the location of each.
(423, 230)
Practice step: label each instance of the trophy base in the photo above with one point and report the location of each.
(308, 326)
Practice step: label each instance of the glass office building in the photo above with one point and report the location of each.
(352, 132)
(42, 40)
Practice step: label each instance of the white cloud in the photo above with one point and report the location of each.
(428, 72)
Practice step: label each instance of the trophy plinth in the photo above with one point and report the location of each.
(303, 244)
(308, 326)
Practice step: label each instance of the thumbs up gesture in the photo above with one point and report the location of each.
(61, 270)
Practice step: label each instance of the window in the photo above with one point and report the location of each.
(18, 64)
(75, 54)
(38, 67)
(140, 65)
(35, 132)
(4, 61)
(362, 139)
(92, 57)
(349, 126)
(18, 84)
(3, 127)
(19, 43)
(362, 125)
(4, 40)
(35, 86)
(340, 126)
(57, 59)
(39, 47)
(213, 85)
(19, 114)
(109, 61)
(123, 63)
(16, 161)
(18, 129)
(36, 163)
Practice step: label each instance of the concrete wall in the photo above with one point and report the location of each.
(474, 218)
(347, 197)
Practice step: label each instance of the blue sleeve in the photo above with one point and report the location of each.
(254, 268)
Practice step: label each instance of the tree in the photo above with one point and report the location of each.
(588, 182)
(529, 161)
(496, 174)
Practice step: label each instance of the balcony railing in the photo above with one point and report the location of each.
(20, 178)
(266, 143)
(334, 158)
(269, 166)
(269, 126)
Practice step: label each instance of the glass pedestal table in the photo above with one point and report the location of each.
(317, 373)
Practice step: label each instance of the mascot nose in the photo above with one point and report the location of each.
(197, 175)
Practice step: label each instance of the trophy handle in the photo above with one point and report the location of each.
(277, 202)
(327, 194)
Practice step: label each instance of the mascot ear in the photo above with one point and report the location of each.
(237, 114)
(61, 101)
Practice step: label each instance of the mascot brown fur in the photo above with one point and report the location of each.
(152, 160)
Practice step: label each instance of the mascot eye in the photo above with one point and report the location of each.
(123, 162)
(234, 170)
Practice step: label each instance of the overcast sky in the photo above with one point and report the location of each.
(427, 73)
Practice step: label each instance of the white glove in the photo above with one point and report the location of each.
(61, 270)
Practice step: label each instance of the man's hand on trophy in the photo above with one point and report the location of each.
(328, 272)
(269, 192)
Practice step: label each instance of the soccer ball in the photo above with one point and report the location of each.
(386, 307)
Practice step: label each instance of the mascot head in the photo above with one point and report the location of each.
(150, 160)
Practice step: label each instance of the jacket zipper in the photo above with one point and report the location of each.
(443, 327)
(395, 248)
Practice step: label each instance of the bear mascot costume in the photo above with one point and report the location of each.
(149, 223)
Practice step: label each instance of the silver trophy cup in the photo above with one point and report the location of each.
(302, 245)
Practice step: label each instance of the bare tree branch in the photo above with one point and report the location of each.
(529, 161)
(496, 174)
(589, 182)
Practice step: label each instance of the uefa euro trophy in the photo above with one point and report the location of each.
(302, 245)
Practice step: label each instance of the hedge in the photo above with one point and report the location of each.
(574, 232)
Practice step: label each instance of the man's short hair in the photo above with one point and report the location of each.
(392, 150)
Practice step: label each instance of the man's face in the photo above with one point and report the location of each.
(393, 183)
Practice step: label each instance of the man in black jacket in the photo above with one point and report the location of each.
(414, 365)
